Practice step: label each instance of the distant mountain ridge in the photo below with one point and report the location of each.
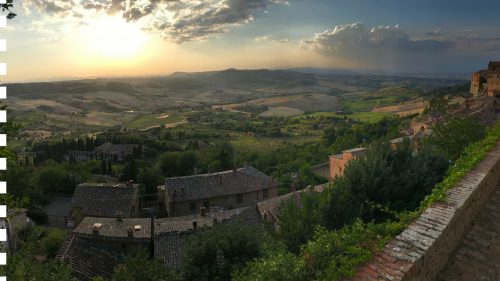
(264, 77)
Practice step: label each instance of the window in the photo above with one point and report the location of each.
(192, 206)
(239, 198)
(265, 193)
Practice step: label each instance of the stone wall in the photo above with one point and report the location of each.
(422, 250)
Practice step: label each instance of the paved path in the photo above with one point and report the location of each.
(478, 258)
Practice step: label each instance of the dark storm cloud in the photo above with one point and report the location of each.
(358, 41)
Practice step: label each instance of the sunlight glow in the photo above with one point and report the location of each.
(112, 37)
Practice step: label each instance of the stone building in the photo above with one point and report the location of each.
(338, 162)
(478, 82)
(98, 245)
(110, 151)
(494, 79)
(486, 82)
(105, 200)
(217, 191)
(117, 152)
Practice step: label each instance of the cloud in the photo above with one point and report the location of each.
(175, 20)
(193, 20)
(270, 39)
(358, 41)
(51, 7)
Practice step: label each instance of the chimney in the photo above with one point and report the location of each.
(195, 225)
(96, 229)
(203, 211)
(119, 216)
(235, 170)
(130, 183)
(130, 232)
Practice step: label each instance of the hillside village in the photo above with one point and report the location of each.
(111, 219)
(107, 220)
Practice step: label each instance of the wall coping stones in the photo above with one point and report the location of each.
(422, 250)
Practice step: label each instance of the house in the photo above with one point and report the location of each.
(116, 152)
(172, 234)
(105, 200)
(338, 162)
(217, 191)
(106, 151)
(98, 245)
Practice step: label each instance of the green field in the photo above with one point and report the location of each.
(369, 117)
(367, 101)
(152, 120)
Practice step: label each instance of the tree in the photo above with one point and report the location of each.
(150, 177)
(216, 253)
(297, 223)
(453, 134)
(7, 7)
(225, 155)
(131, 169)
(139, 267)
(329, 135)
(280, 265)
(187, 162)
(383, 182)
(168, 164)
(54, 179)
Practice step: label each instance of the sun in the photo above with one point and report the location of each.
(113, 37)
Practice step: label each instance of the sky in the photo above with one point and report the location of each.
(63, 39)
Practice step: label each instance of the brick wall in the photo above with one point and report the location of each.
(422, 250)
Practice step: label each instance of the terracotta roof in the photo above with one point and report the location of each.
(111, 228)
(104, 199)
(196, 187)
(89, 258)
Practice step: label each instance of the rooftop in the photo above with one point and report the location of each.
(357, 149)
(337, 156)
(494, 64)
(115, 229)
(172, 234)
(185, 223)
(170, 248)
(225, 183)
(273, 206)
(104, 199)
(89, 258)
